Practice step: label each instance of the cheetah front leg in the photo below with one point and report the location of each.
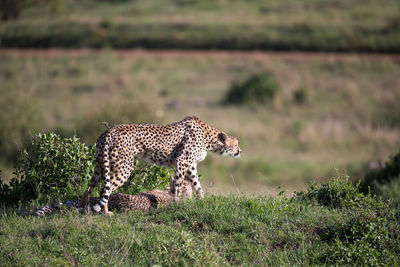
(192, 176)
(179, 175)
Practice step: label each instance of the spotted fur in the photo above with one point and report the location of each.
(182, 144)
(119, 201)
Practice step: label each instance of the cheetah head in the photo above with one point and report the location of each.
(227, 145)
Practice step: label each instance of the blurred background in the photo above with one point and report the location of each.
(306, 86)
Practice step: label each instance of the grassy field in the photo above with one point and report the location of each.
(326, 112)
(326, 25)
(327, 225)
(350, 115)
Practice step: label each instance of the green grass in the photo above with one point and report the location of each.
(327, 25)
(345, 123)
(219, 230)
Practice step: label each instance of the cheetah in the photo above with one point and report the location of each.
(124, 202)
(181, 144)
(142, 201)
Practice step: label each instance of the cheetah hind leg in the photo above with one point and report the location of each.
(97, 207)
(118, 179)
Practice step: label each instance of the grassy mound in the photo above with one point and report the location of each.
(219, 230)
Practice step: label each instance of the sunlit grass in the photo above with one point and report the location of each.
(321, 226)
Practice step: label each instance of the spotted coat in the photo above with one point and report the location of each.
(141, 202)
(181, 144)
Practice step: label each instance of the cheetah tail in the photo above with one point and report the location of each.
(107, 178)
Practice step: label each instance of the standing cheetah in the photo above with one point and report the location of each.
(181, 144)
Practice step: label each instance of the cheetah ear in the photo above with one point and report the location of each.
(222, 137)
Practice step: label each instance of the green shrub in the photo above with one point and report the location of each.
(339, 192)
(146, 177)
(363, 237)
(300, 96)
(50, 168)
(259, 88)
(359, 241)
(53, 168)
(359, 253)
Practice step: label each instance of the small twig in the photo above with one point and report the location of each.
(106, 124)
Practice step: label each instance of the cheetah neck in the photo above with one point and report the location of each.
(210, 136)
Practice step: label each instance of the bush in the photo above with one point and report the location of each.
(339, 192)
(53, 168)
(362, 240)
(362, 237)
(259, 88)
(50, 168)
(146, 177)
(360, 252)
(300, 96)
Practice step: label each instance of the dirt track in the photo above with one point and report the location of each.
(194, 54)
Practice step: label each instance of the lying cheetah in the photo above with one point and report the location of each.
(142, 201)
(119, 201)
(182, 144)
